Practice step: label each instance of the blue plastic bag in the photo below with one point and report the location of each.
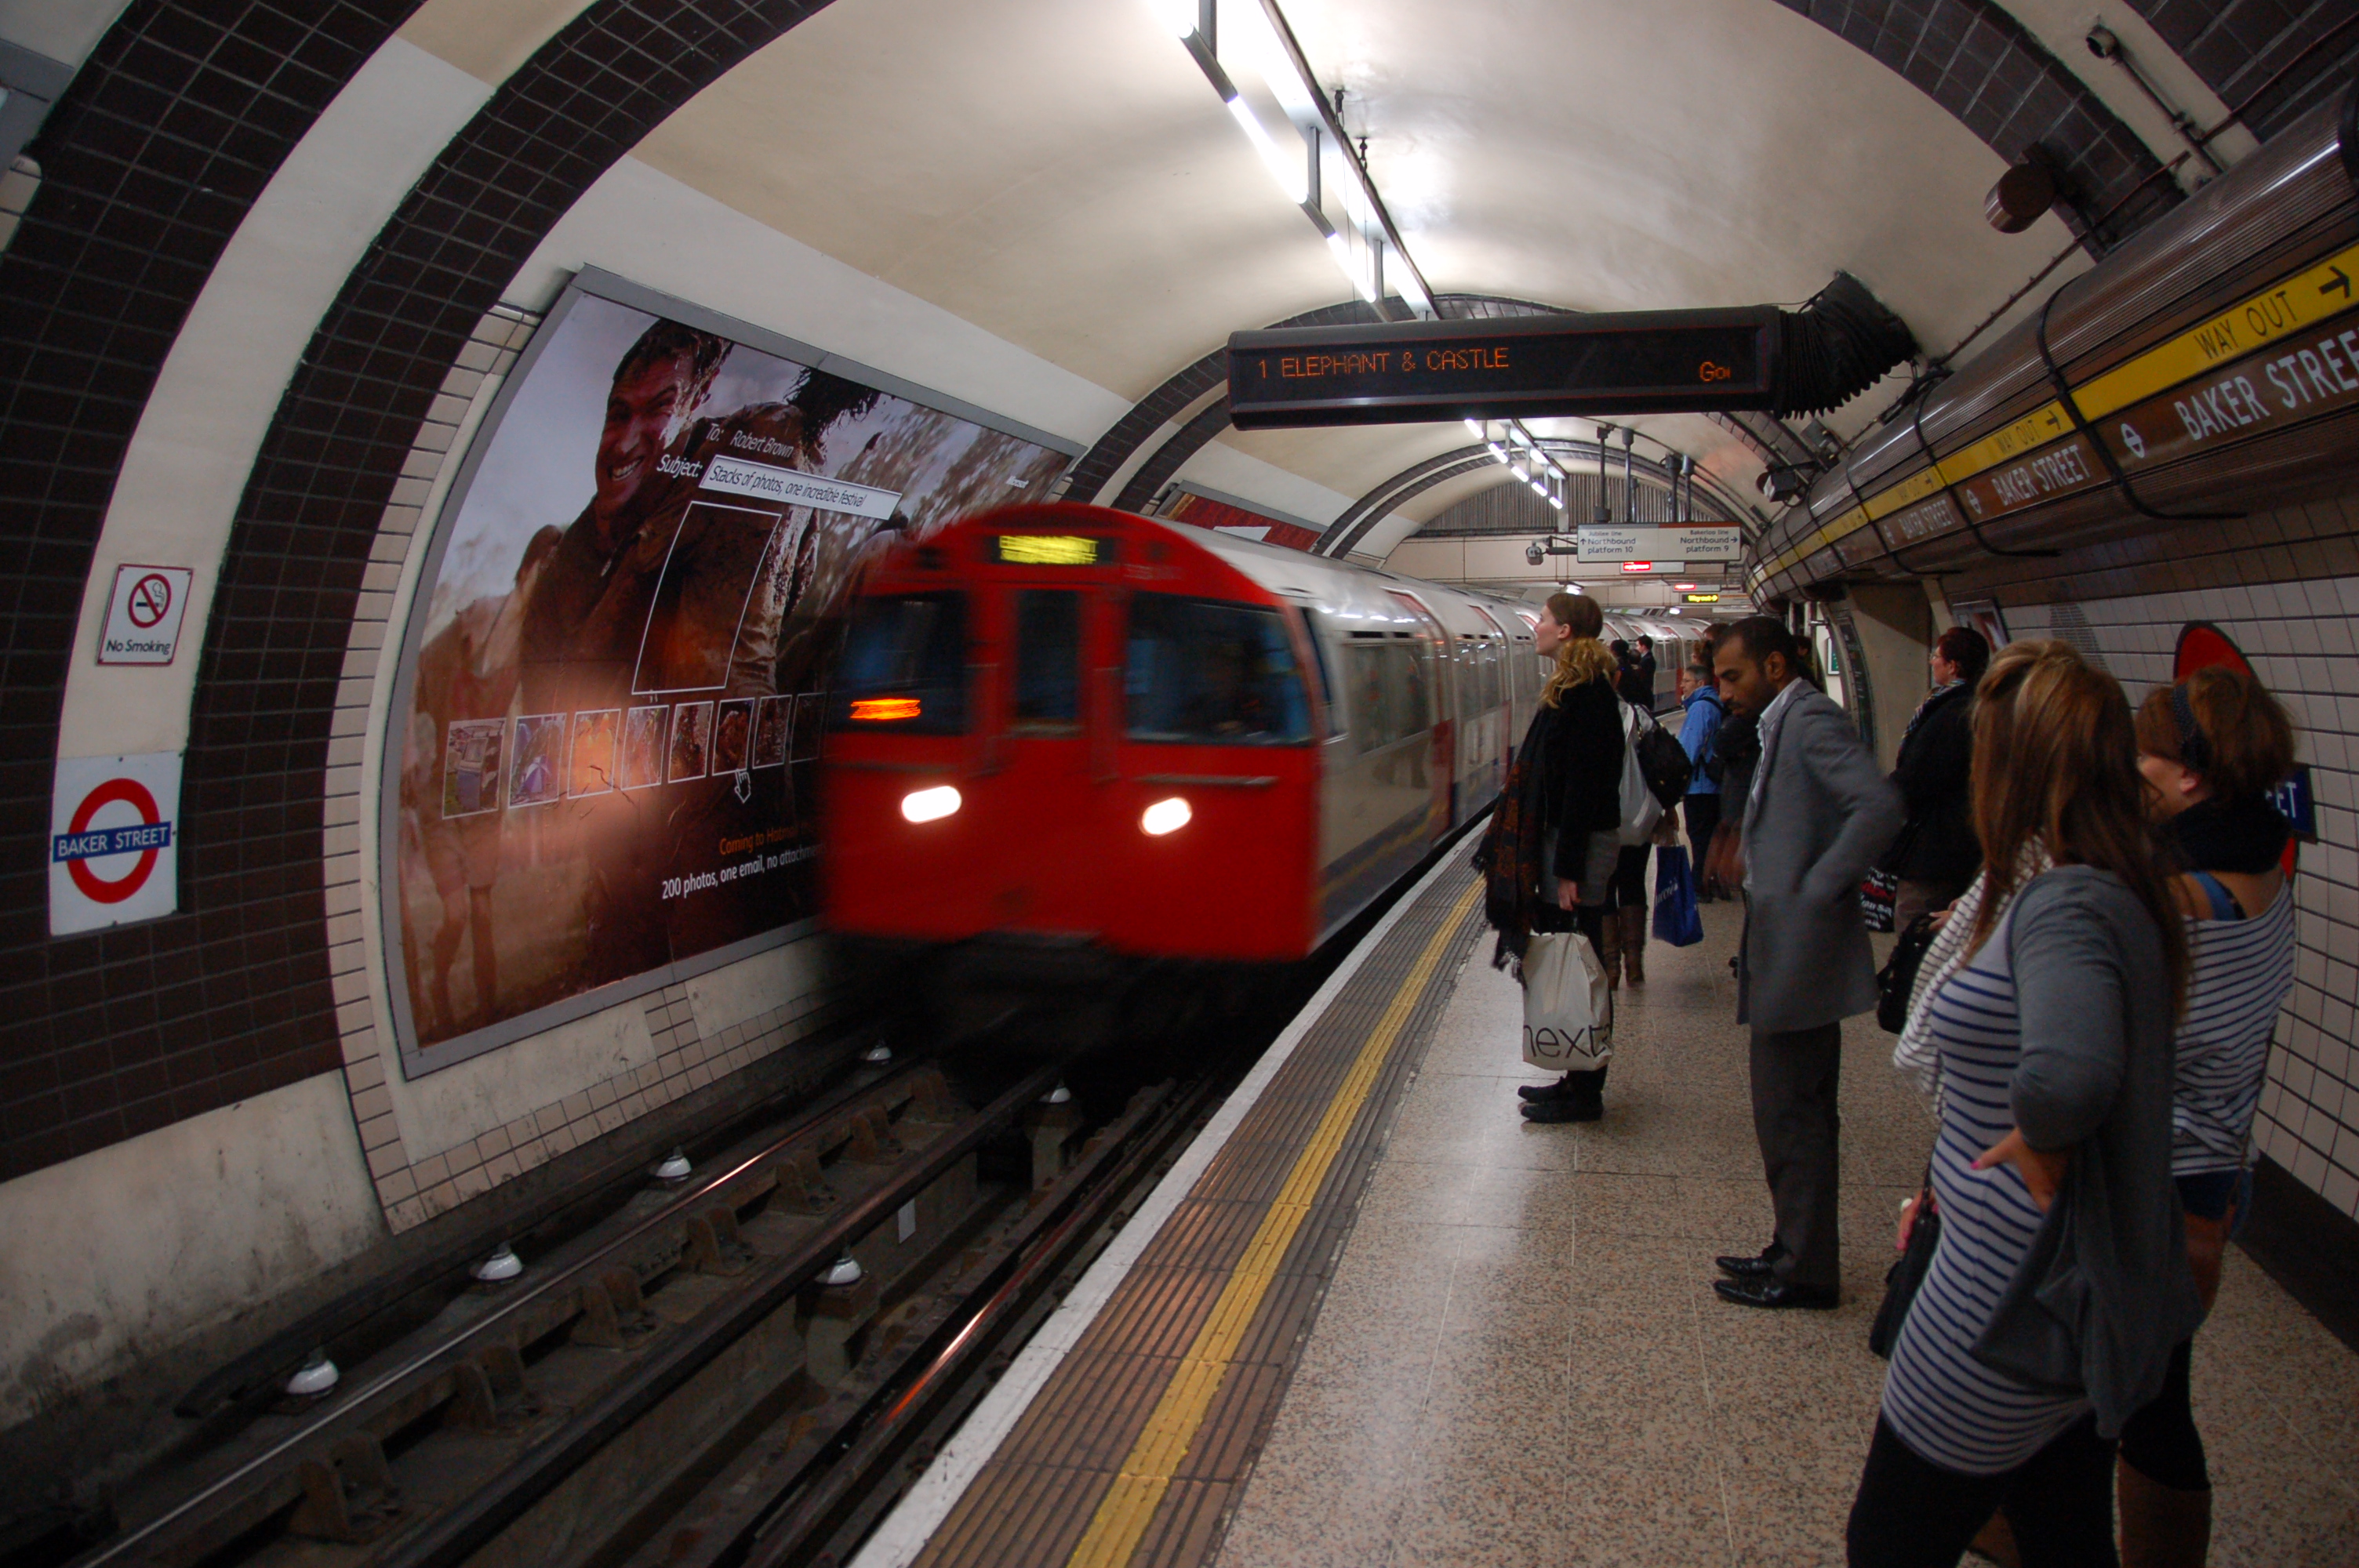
(1676, 921)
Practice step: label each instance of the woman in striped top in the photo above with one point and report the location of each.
(2060, 1285)
(2210, 748)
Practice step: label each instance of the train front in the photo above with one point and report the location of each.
(1070, 775)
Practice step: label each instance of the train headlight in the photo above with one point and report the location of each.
(1165, 817)
(929, 804)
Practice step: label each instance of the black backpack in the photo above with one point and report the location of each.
(1663, 761)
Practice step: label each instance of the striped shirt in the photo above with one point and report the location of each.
(2239, 976)
(1944, 1403)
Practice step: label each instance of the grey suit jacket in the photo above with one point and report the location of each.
(1819, 817)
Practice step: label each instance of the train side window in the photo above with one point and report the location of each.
(1315, 634)
(1048, 658)
(1390, 699)
(1213, 672)
(1490, 695)
(904, 669)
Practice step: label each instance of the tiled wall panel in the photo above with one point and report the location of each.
(2274, 57)
(2300, 639)
(148, 165)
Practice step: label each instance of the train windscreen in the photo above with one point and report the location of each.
(904, 668)
(1212, 672)
(1048, 658)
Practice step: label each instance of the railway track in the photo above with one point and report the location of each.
(740, 1367)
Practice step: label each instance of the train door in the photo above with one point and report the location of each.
(1038, 752)
(1432, 667)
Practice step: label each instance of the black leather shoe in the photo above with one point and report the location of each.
(1561, 1089)
(1574, 1107)
(1774, 1294)
(1754, 1268)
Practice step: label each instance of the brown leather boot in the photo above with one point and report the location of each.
(1609, 943)
(2162, 1527)
(1634, 943)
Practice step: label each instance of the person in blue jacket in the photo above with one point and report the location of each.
(1698, 731)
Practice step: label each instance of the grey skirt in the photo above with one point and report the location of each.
(1597, 866)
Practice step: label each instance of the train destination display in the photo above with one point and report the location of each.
(1529, 367)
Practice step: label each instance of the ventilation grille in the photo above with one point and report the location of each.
(2066, 623)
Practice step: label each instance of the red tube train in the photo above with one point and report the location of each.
(1073, 752)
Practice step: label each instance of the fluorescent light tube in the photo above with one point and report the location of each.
(1290, 172)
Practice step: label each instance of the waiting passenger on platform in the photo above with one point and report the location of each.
(1936, 853)
(1818, 812)
(2211, 748)
(2050, 1309)
(1551, 844)
(1735, 749)
(1643, 652)
(1698, 730)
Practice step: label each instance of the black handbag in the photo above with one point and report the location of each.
(1898, 979)
(1906, 1273)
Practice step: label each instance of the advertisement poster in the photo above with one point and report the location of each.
(613, 674)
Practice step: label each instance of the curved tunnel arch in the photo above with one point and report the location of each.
(263, 706)
(1359, 519)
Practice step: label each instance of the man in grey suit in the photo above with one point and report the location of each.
(1819, 813)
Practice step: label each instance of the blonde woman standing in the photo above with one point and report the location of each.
(1552, 845)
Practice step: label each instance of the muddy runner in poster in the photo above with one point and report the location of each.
(611, 726)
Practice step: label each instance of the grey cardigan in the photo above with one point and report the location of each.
(1819, 814)
(2105, 1294)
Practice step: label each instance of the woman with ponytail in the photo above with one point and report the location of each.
(1552, 845)
(2212, 747)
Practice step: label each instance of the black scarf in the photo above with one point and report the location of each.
(2247, 835)
(1509, 856)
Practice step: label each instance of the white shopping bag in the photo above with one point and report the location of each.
(1567, 1007)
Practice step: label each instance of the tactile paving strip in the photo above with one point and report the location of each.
(1137, 1445)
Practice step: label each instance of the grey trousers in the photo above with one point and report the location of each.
(1794, 1078)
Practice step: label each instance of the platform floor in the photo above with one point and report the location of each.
(1375, 1318)
(1520, 1360)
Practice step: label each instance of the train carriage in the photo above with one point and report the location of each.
(1070, 745)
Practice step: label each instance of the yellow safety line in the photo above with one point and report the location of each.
(1146, 1472)
(2284, 306)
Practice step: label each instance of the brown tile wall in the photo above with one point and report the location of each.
(148, 164)
(2284, 56)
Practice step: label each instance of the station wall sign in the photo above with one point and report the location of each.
(144, 613)
(1709, 542)
(1701, 598)
(114, 841)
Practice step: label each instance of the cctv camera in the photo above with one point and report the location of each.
(1534, 554)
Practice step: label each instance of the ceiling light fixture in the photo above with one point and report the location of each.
(1290, 172)
(1315, 165)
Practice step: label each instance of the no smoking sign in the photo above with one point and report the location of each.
(114, 841)
(142, 615)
